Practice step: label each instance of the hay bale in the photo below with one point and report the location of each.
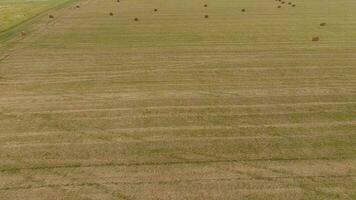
(78, 6)
(136, 19)
(51, 16)
(293, 5)
(206, 16)
(315, 39)
(155, 9)
(23, 34)
(111, 14)
(243, 10)
(279, 6)
(289, 3)
(205, 5)
(118, 1)
(283, 2)
(323, 24)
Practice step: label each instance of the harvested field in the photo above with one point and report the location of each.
(176, 106)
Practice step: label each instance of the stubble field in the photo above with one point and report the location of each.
(239, 105)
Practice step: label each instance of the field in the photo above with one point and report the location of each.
(15, 12)
(180, 105)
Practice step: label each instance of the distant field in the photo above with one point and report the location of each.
(174, 105)
(13, 12)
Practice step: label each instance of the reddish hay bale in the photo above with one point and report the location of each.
(206, 16)
(323, 24)
(136, 19)
(51, 16)
(315, 39)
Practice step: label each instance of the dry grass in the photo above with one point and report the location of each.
(240, 106)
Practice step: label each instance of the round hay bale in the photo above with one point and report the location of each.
(289, 3)
(323, 24)
(118, 1)
(136, 19)
(279, 6)
(111, 14)
(315, 39)
(155, 9)
(78, 6)
(206, 16)
(23, 34)
(283, 2)
(205, 5)
(243, 10)
(51, 16)
(293, 5)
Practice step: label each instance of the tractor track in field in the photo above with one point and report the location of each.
(191, 162)
(89, 184)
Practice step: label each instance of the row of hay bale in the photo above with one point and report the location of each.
(207, 16)
(156, 10)
(283, 2)
(316, 38)
(52, 16)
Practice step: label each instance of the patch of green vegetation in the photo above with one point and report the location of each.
(15, 12)
(12, 170)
